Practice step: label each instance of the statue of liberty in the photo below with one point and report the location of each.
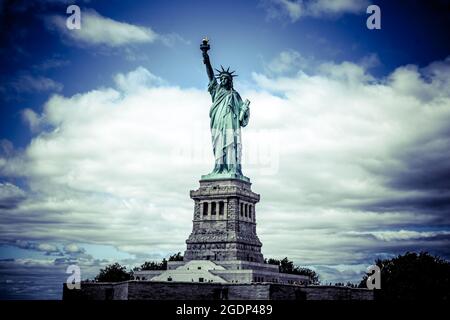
(228, 114)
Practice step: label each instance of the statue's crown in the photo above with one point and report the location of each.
(224, 72)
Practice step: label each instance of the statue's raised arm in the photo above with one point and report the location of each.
(205, 47)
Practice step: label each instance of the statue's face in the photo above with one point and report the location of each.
(226, 82)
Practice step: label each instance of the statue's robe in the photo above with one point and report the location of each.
(228, 113)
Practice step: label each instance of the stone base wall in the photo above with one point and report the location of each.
(98, 291)
(150, 290)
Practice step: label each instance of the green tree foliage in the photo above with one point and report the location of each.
(113, 273)
(176, 257)
(308, 272)
(151, 265)
(413, 276)
(287, 266)
(272, 261)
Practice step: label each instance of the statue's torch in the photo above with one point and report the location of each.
(205, 45)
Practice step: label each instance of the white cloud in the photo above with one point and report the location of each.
(138, 79)
(48, 248)
(118, 164)
(318, 8)
(401, 234)
(296, 9)
(73, 248)
(98, 30)
(29, 83)
(7, 147)
(10, 195)
(286, 62)
(32, 119)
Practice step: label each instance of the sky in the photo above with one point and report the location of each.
(105, 129)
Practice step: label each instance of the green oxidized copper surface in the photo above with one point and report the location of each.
(224, 176)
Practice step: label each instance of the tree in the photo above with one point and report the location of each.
(350, 284)
(272, 261)
(413, 276)
(113, 273)
(313, 276)
(176, 257)
(151, 265)
(287, 266)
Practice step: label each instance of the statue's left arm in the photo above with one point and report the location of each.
(244, 114)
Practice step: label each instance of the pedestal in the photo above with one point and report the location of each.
(224, 224)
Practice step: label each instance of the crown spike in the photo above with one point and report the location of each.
(225, 72)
